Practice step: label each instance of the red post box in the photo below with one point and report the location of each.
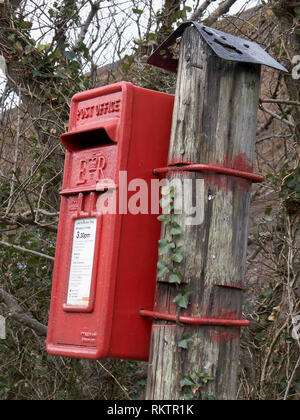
(105, 262)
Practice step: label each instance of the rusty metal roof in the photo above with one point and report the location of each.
(225, 46)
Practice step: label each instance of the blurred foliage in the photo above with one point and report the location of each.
(49, 57)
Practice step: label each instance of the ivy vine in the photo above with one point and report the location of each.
(193, 382)
(192, 385)
(171, 248)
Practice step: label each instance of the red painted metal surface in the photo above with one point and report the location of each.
(194, 320)
(195, 167)
(100, 285)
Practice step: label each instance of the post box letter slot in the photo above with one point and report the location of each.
(76, 141)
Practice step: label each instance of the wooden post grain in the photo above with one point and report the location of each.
(214, 122)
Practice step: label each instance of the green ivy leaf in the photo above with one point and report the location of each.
(290, 181)
(165, 246)
(185, 341)
(164, 218)
(266, 294)
(189, 394)
(69, 55)
(165, 201)
(177, 255)
(297, 385)
(297, 11)
(18, 46)
(43, 47)
(174, 278)
(162, 269)
(25, 24)
(29, 48)
(268, 210)
(187, 381)
(137, 11)
(182, 299)
(207, 379)
(165, 190)
(175, 229)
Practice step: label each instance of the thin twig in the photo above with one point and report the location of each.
(115, 379)
(263, 373)
(15, 162)
(279, 101)
(29, 251)
(291, 379)
(16, 312)
(278, 117)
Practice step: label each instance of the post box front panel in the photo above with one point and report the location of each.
(87, 242)
(87, 167)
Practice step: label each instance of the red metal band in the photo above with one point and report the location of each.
(195, 321)
(210, 168)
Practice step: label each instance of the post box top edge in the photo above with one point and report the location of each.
(109, 117)
(89, 113)
(100, 91)
(112, 88)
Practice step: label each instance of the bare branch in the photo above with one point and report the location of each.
(19, 220)
(94, 9)
(29, 251)
(15, 163)
(16, 312)
(278, 117)
(279, 101)
(286, 394)
(199, 12)
(115, 379)
(221, 10)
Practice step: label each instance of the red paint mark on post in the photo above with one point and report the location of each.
(224, 337)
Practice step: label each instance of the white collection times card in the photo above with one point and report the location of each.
(82, 258)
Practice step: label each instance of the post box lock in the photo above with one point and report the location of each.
(105, 262)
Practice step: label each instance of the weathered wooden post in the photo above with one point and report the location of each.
(195, 347)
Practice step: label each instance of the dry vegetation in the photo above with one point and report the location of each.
(42, 75)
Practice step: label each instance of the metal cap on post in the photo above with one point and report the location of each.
(226, 46)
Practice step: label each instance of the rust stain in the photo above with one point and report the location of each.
(240, 162)
(224, 337)
(238, 286)
(224, 182)
(164, 325)
(227, 315)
